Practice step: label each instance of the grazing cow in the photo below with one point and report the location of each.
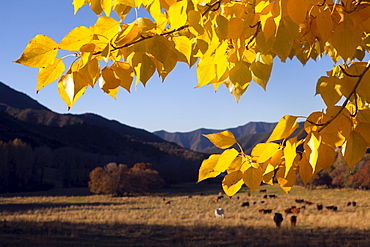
(238, 197)
(190, 197)
(309, 203)
(167, 203)
(354, 204)
(293, 220)
(296, 210)
(265, 211)
(215, 200)
(265, 196)
(288, 211)
(329, 207)
(245, 204)
(299, 200)
(262, 201)
(249, 194)
(278, 218)
(220, 197)
(349, 204)
(220, 213)
(272, 196)
(319, 207)
(263, 191)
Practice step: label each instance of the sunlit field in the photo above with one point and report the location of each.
(180, 216)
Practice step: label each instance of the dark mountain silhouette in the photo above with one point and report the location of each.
(195, 141)
(96, 139)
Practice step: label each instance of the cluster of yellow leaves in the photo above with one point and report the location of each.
(232, 43)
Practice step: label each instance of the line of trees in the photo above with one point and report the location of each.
(119, 180)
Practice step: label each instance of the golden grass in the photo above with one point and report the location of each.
(100, 220)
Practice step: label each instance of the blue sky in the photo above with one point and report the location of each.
(174, 105)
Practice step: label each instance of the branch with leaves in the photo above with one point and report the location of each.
(231, 43)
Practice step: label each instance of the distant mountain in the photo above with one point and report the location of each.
(195, 141)
(89, 138)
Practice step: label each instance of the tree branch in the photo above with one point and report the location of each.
(347, 100)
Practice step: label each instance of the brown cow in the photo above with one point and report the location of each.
(296, 210)
(215, 200)
(263, 191)
(293, 220)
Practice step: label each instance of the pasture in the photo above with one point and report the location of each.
(185, 216)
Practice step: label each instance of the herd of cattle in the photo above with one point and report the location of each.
(278, 217)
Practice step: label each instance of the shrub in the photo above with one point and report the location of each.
(119, 179)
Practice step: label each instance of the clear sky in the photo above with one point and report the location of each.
(174, 105)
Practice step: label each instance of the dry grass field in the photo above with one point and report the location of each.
(187, 220)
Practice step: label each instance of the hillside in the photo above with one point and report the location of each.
(195, 141)
(75, 144)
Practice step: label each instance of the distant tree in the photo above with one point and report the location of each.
(361, 179)
(119, 179)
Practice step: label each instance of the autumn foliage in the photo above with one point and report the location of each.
(118, 180)
(232, 43)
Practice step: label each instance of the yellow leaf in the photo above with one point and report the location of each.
(184, 46)
(305, 169)
(50, 73)
(312, 119)
(285, 127)
(76, 38)
(109, 83)
(159, 47)
(364, 115)
(364, 130)
(224, 139)
(124, 72)
(290, 153)
(240, 74)
(222, 26)
(106, 5)
(286, 34)
(354, 149)
(297, 10)
(106, 27)
(206, 169)
(324, 24)
(39, 53)
(87, 74)
(77, 4)
(252, 177)
(329, 88)
(264, 151)
(143, 66)
(69, 90)
(235, 28)
(236, 164)
(286, 182)
(177, 14)
(226, 159)
(311, 147)
(261, 69)
(326, 156)
(95, 5)
(346, 38)
(128, 34)
(232, 183)
(206, 71)
(276, 158)
(267, 178)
